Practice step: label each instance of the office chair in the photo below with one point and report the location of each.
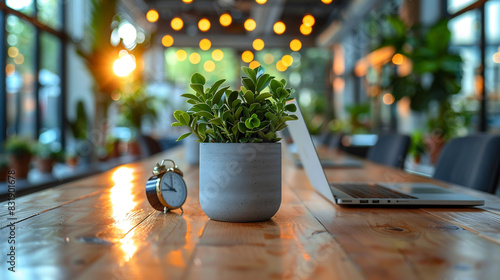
(390, 149)
(471, 161)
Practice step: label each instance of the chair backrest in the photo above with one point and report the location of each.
(472, 161)
(390, 149)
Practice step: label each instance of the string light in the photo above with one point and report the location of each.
(177, 23)
(268, 58)
(280, 66)
(258, 44)
(254, 64)
(181, 55)
(398, 59)
(194, 58)
(287, 60)
(305, 30)
(204, 24)
(279, 27)
(225, 19)
(205, 44)
(326, 1)
(217, 55)
(388, 99)
(209, 66)
(167, 41)
(295, 45)
(308, 20)
(187, 1)
(250, 24)
(247, 56)
(152, 15)
(260, 2)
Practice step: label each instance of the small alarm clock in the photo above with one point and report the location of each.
(166, 189)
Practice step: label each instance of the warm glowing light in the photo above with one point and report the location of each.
(247, 56)
(194, 58)
(254, 64)
(209, 66)
(177, 23)
(496, 57)
(12, 51)
(268, 58)
(124, 65)
(225, 19)
(261, 1)
(181, 55)
(205, 44)
(305, 30)
(167, 40)
(287, 60)
(187, 1)
(115, 95)
(123, 175)
(258, 44)
(152, 16)
(338, 85)
(280, 66)
(204, 24)
(295, 45)
(279, 27)
(327, 1)
(250, 24)
(10, 69)
(388, 99)
(19, 59)
(308, 20)
(217, 55)
(398, 59)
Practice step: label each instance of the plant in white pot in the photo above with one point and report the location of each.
(240, 156)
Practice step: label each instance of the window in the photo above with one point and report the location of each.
(33, 70)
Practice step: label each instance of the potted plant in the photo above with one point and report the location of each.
(4, 168)
(46, 156)
(20, 152)
(240, 157)
(417, 146)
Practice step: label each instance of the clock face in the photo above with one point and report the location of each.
(173, 189)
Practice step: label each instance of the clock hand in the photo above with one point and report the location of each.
(169, 187)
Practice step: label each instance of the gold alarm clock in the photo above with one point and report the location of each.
(166, 189)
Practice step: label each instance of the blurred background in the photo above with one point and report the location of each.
(90, 84)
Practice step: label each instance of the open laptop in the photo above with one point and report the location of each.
(372, 194)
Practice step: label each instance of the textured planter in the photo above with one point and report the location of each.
(45, 165)
(240, 182)
(192, 150)
(20, 164)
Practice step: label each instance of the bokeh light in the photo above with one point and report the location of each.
(19, 59)
(217, 55)
(327, 1)
(280, 66)
(496, 57)
(254, 64)
(167, 41)
(177, 23)
(287, 60)
(258, 44)
(205, 44)
(204, 24)
(250, 24)
(181, 55)
(124, 65)
(295, 45)
(279, 27)
(247, 56)
(308, 20)
(261, 1)
(305, 30)
(12, 51)
(194, 58)
(225, 19)
(187, 1)
(152, 15)
(398, 59)
(268, 58)
(388, 99)
(10, 69)
(209, 66)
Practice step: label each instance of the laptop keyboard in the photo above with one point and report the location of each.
(369, 191)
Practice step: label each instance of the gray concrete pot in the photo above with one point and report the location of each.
(240, 182)
(192, 150)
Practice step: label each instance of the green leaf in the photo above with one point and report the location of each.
(191, 96)
(191, 101)
(232, 97)
(183, 136)
(215, 86)
(226, 115)
(241, 127)
(250, 73)
(259, 70)
(238, 113)
(198, 88)
(262, 82)
(291, 107)
(255, 106)
(236, 103)
(182, 117)
(176, 124)
(263, 96)
(248, 123)
(248, 96)
(198, 78)
(205, 114)
(201, 107)
(275, 85)
(218, 95)
(216, 121)
(248, 84)
(282, 93)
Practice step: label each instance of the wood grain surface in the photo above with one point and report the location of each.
(102, 227)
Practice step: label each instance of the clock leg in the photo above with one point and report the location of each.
(165, 210)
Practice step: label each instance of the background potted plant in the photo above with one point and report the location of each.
(240, 157)
(46, 156)
(417, 146)
(20, 153)
(4, 168)
(79, 130)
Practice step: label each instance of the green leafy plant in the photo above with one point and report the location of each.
(250, 115)
(135, 107)
(48, 151)
(79, 125)
(18, 146)
(417, 146)
(3, 162)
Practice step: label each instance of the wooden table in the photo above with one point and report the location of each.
(102, 227)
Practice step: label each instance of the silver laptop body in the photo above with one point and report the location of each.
(416, 194)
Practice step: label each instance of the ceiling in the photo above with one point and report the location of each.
(290, 12)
